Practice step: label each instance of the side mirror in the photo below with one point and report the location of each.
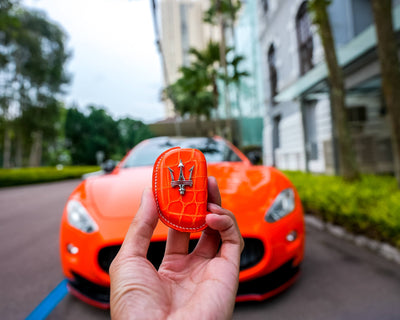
(254, 154)
(108, 166)
(254, 158)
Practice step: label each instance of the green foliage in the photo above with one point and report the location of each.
(32, 67)
(98, 131)
(131, 132)
(193, 93)
(190, 93)
(13, 177)
(89, 134)
(228, 8)
(196, 92)
(9, 24)
(370, 206)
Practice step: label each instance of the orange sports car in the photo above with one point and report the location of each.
(265, 203)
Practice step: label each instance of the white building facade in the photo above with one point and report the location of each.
(297, 123)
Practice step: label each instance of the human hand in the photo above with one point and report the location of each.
(199, 285)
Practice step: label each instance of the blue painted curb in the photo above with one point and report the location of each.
(50, 302)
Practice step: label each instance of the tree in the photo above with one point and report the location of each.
(9, 26)
(33, 57)
(191, 95)
(131, 132)
(36, 128)
(390, 71)
(196, 92)
(207, 63)
(76, 135)
(42, 57)
(347, 164)
(221, 13)
(87, 134)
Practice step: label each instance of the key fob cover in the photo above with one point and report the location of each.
(180, 189)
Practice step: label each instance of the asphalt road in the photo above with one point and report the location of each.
(338, 280)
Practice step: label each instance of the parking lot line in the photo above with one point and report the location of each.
(50, 302)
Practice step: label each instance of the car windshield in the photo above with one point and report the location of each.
(146, 154)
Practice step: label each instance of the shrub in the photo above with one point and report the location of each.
(13, 177)
(370, 206)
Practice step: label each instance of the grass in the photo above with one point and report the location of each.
(21, 176)
(370, 206)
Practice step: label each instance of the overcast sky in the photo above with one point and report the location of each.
(115, 63)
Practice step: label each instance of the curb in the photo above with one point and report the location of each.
(383, 249)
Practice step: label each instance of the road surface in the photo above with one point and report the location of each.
(338, 280)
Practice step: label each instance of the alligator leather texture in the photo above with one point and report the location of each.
(180, 189)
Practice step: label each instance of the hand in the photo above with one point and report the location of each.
(199, 285)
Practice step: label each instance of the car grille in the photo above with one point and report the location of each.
(251, 255)
(90, 289)
(270, 281)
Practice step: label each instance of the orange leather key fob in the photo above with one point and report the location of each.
(180, 189)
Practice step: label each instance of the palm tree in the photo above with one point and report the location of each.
(223, 13)
(190, 94)
(208, 60)
(196, 92)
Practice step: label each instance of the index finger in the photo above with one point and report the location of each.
(214, 195)
(225, 223)
(137, 239)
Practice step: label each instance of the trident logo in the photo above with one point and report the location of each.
(181, 182)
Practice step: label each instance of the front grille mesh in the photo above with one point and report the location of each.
(252, 254)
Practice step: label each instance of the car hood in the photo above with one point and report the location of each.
(119, 194)
(245, 190)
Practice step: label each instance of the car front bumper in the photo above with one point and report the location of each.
(269, 264)
(253, 290)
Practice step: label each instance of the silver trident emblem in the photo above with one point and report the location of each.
(181, 182)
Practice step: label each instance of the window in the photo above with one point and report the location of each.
(357, 114)
(304, 39)
(214, 150)
(273, 75)
(265, 5)
(311, 131)
(276, 143)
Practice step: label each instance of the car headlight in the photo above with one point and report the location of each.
(283, 205)
(79, 218)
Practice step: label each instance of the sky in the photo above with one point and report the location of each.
(114, 61)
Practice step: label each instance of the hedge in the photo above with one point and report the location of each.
(370, 206)
(20, 176)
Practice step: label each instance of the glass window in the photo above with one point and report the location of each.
(304, 39)
(273, 74)
(265, 5)
(146, 153)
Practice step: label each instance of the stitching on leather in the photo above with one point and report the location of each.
(158, 207)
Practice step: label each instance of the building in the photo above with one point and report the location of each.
(246, 97)
(182, 27)
(298, 123)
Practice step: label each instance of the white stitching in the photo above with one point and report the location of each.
(158, 207)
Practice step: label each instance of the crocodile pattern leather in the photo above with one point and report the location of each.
(180, 189)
